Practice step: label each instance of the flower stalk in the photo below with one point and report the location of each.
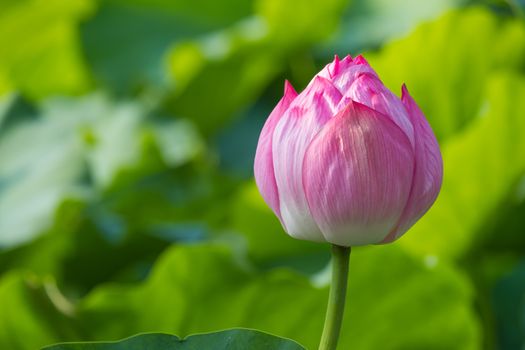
(337, 297)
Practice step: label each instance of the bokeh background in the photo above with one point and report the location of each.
(127, 201)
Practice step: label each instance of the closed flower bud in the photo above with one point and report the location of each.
(346, 161)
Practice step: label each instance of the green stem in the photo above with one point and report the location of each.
(336, 300)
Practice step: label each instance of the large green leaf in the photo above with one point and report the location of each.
(289, 24)
(446, 64)
(368, 23)
(44, 160)
(40, 53)
(234, 339)
(483, 166)
(49, 156)
(200, 288)
(140, 32)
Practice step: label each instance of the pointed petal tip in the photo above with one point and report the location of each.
(321, 85)
(361, 60)
(406, 98)
(356, 106)
(333, 68)
(321, 80)
(404, 90)
(289, 89)
(348, 58)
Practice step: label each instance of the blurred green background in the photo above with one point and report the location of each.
(127, 201)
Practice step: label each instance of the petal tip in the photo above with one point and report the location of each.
(347, 59)
(406, 98)
(320, 80)
(333, 68)
(356, 106)
(289, 91)
(361, 60)
(288, 88)
(404, 90)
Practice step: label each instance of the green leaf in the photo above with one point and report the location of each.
(49, 156)
(140, 32)
(231, 67)
(230, 80)
(33, 313)
(44, 160)
(234, 339)
(446, 64)
(44, 255)
(200, 288)
(371, 24)
(483, 166)
(40, 53)
(5, 84)
(41, 163)
(312, 22)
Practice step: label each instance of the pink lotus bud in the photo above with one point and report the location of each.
(346, 161)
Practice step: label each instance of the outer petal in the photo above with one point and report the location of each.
(302, 121)
(357, 173)
(370, 91)
(428, 172)
(263, 165)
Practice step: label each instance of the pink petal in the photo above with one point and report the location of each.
(347, 76)
(370, 91)
(361, 60)
(330, 69)
(357, 173)
(320, 88)
(306, 115)
(347, 61)
(263, 165)
(335, 67)
(428, 172)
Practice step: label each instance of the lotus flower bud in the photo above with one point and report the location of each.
(346, 161)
